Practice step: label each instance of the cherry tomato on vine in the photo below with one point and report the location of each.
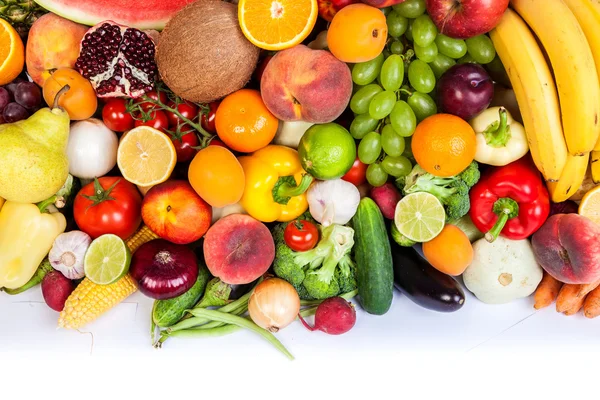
(357, 174)
(115, 115)
(147, 105)
(217, 142)
(301, 235)
(208, 120)
(158, 120)
(185, 140)
(187, 109)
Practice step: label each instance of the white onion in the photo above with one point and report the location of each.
(92, 149)
(333, 202)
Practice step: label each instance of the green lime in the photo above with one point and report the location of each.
(106, 260)
(420, 216)
(327, 151)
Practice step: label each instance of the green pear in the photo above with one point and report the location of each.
(33, 157)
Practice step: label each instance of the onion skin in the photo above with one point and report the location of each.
(274, 304)
(164, 270)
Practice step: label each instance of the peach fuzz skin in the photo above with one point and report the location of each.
(304, 84)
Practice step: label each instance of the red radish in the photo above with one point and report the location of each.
(334, 316)
(56, 289)
(386, 197)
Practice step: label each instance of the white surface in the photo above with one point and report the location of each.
(28, 328)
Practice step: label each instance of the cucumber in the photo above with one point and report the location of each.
(373, 256)
(168, 312)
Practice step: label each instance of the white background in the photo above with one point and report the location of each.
(482, 351)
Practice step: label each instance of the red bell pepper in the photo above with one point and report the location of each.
(511, 200)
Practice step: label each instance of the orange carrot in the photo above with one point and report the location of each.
(576, 307)
(546, 292)
(591, 307)
(571, 294)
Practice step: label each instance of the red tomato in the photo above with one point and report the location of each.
(157, 120)
(115, 115)
(357, 174)
(147, 105)
(217, 142)
(187, 109)
(208, 120)
(301, 235)
(108, 205)
(185, 143)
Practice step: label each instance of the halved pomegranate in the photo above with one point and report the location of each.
(118, 60)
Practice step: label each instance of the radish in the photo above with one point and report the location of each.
(56, 289)
(334, 316)
(386, 197)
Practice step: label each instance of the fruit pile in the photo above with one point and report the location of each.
(259, 162)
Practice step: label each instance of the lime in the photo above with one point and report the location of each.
(420, 216)
(106, 260)
(327, 151)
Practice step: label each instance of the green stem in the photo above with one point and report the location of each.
(307, 312)
(243, 323)
(43, 205)
(497, 134)
(505, 208)
(200, 333)
(216, 324)
(286, 188)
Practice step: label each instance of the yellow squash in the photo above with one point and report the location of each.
(26, 237)
(275, 184)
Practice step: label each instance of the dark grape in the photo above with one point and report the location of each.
(12, 87)
(14, 112)
(29, 95)
(4, 98)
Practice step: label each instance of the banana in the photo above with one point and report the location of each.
(574, 69)
(595, 166)
(534, 88)
(587, 13)
(571, 178)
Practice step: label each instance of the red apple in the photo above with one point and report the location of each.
(328, 8)
(175, 212)
(462, 19)
(382, 3)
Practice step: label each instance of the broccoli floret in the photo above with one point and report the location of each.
(346, 275)
(303, 293)
(284, 264)
(319, 289)
(471, 175)
(453, 192)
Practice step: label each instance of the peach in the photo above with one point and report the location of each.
(53, 43)
(304, 84)
(382, 3)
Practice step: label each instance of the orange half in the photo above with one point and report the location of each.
(12, 53)
(277, 24)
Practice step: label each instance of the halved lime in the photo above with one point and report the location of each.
(106, 260)
(420, 216)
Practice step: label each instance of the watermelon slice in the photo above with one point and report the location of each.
(140, 14)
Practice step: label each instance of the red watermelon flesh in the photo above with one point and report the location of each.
(140, 14)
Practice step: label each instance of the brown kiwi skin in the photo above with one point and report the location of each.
(203, 55)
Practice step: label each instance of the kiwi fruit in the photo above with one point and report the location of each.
(202, 53)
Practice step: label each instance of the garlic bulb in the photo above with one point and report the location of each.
(333, 202)
(67, 253)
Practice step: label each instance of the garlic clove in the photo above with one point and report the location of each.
(67, 253)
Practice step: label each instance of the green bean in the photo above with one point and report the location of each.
(243, 323)
(213, 332)
(216, 324)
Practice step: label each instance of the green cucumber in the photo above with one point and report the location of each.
(168, 312)
(373, 256)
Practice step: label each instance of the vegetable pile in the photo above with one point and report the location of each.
(245, 178)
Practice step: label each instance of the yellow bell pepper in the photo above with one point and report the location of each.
(275, 184)
(26, 237)
(1, 202)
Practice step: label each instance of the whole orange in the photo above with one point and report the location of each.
(244, 123)
(217, 176)
(79, 101)
(357, 33)
(444, 145)
(449, 252)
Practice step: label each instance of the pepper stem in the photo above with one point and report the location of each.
(497, 134)
(286, 188)
(505, 208)
(43, 205)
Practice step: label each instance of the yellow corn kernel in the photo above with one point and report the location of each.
(88, 301)
(143, 235)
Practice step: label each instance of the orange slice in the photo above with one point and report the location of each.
(277, 24)
(146, 156)
(590, 205)
(12, 53)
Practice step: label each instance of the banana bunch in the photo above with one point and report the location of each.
(557, 84)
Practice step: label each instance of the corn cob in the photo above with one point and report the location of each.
(89, 300)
